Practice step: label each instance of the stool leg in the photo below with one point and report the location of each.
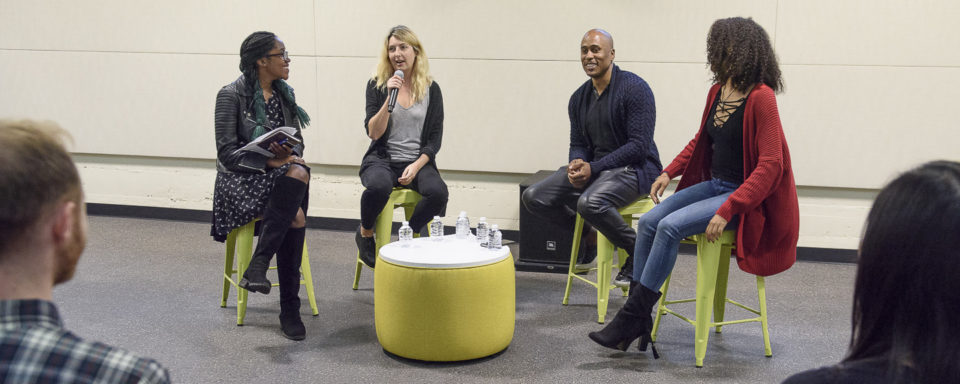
(308, 280)
(720, 294)
(707, 260)
(356, 274)
(384, 224)
(574, 251)
(762, 294)
(604, 266)
(660, 308)
(228, 267)
(244, 253)
(622, 254)
(408, 213)
(621, 257)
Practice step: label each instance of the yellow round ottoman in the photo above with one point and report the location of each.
(444, 300)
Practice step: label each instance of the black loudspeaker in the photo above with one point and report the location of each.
(544, 246)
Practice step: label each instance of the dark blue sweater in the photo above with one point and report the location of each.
(633, 115)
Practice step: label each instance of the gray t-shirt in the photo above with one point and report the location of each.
(403, 144)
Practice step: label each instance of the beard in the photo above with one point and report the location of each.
(69, 254)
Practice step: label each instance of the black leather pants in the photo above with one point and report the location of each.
(558, 201)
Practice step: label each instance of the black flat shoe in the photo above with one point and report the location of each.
(368, 248)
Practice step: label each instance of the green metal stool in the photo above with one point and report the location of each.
(241, 241)
(400, 197)
(604, 257)
(713, 264)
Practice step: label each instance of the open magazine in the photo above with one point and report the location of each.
(280, 135)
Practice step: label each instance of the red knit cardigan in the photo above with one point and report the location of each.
(767, 199)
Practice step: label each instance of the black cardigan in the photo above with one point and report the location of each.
(430, 137)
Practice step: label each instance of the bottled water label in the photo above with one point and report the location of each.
(495, 238)
(436, 228)
(405, 233)
(463, 226)
(483, 232)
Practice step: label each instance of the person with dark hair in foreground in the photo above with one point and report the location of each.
(612, 157)
(735, 174)
(250, 185)
(906, 297)
(403, 143)
(42, 235)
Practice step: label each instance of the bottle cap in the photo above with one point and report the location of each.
(483, 219)
(407, 223)
(436, 217)
(463, 213)
(495, 227)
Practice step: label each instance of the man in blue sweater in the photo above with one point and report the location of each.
(613, 159)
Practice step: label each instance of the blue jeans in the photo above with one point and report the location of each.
(683, 214)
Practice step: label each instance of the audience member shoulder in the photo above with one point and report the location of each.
(861, 371)
(118, 365)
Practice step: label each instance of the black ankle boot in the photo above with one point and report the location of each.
(631, 322)
(285, 200)
(289, 257)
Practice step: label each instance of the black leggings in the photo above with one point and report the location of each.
(381, 176)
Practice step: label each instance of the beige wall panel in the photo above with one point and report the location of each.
(857, 126)
(336, 135)
(501, 116)
(490, 123)
(531, 30)
(869, 32)
(142, 104)
(153, 26)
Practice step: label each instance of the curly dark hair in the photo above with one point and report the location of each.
(739, 49)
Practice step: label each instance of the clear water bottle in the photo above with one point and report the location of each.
(463, 226)
(496, 238)
(405, 233)
(436, 228)
(482, 231)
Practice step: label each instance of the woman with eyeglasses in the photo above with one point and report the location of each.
(404, 143)
(250, 185)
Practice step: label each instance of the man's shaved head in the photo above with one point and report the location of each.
(600, 32)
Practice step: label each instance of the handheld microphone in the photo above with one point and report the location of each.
(392, 101)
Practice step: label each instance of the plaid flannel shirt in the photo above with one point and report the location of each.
(34, 348)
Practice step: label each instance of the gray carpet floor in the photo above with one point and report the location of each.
(153, 287)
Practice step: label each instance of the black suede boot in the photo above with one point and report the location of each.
(631, 322)
(285, 200)
(289, 257)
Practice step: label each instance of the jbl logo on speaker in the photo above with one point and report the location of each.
(551, 245)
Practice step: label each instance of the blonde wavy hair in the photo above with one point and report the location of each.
(421, 66)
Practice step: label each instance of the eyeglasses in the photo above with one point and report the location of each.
(285, 55)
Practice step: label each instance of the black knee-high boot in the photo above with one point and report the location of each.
(631, 322)
(281, 209)
(289, 257)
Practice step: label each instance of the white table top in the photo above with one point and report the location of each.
(449, 252)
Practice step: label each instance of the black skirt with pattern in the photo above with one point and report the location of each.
(238, 198)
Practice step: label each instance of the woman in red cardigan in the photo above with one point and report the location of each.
(734, 174)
